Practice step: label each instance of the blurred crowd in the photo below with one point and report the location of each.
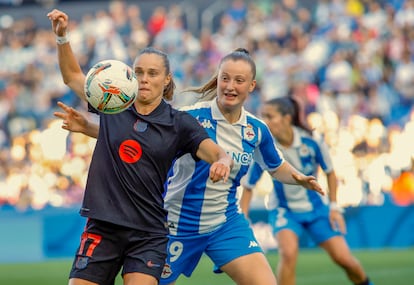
(351, 62)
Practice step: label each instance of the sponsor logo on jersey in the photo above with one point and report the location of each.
(253, 243)
(243, 158)
(248, 133)
(166, 272)
(130, 151)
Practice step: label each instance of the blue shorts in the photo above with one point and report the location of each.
(233, 239)
(316, 224)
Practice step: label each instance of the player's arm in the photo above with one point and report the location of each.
(335, 214)
(248, 183)
(74, 121)
(287, 174)
(245, 200)
(69, 67)
(221, 163)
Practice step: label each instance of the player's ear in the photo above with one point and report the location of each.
(252, 86)
(168, 79)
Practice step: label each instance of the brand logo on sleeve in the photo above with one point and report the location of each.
(205, 123)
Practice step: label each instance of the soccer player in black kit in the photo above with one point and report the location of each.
(126, 226)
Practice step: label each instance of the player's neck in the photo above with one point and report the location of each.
(146, 108)
(286, 139)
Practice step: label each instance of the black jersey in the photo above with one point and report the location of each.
(130, 163)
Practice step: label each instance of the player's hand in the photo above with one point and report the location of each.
(59, 21)
(309, 182)
(337, 221)
(72, 120)
(220, 170)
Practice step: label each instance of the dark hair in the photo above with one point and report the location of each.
(169, 89)
(288, 105)
(209, 90)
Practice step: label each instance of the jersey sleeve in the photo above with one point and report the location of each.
(323, 156)
(191, 133)
(253, 175)
(267, 155)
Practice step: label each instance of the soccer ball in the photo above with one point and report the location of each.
(111, 86)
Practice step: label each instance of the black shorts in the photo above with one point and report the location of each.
(105, 248)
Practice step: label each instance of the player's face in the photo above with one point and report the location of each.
(152, 77)
(278, 124)
(234, 83)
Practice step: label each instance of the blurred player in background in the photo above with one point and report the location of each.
(292, 208)
(126, 226)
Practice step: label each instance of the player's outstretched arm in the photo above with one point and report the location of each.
(69, 67)
(245, 200)
(221, 163)
(286, 173)
(74, 121)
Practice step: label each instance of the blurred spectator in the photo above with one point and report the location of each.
(403, 187)
(351, 61)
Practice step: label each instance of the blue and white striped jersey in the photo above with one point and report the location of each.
(196, 205)
(306, 154)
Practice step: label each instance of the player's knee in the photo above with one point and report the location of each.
(288, 255)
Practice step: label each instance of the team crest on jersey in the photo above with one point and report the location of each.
(81, 262)
(166, 272)
(140, 126)
(248, 133)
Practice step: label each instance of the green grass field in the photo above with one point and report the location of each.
(385, 267)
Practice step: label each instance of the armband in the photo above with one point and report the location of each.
(62, 40)
(336, 207)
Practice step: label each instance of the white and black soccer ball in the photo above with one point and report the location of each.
(111, 86)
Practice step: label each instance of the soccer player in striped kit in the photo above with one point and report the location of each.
(204, 217)
(292, 208)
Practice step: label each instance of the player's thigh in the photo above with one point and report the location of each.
(233, 239)
(139, 279)
(338, 249)
(252, 269)
(77, 281)
(288, 243)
